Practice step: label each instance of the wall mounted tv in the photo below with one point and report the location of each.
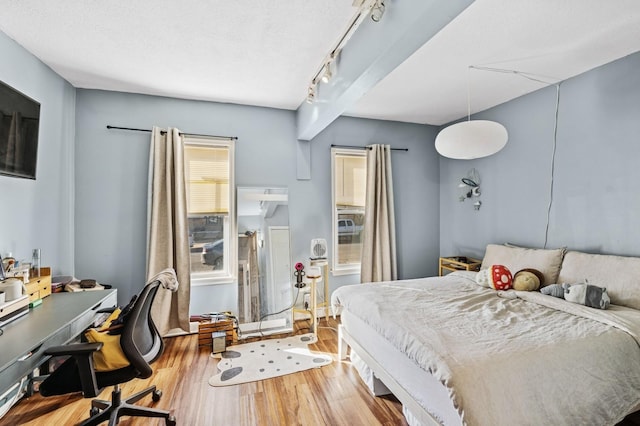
(19, 122)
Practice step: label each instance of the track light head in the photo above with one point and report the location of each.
(326, 76)
(311, 95)
(377, 11)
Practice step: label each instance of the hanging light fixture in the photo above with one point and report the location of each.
(471, 139)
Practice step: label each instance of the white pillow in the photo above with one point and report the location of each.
(547, 261)
(618, 274)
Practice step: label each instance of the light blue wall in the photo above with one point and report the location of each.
(595, 198)
(112, 166)
(39, 213)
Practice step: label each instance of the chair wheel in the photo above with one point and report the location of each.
(156, 395)
(93, 411)
(171, 421)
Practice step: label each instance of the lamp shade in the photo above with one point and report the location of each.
(471, 139)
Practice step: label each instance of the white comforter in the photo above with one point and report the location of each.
(509, 358)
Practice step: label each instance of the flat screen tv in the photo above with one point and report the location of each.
(20, 118)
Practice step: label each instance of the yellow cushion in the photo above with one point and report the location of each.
(110, 357)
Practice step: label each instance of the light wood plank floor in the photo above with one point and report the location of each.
(331, 395)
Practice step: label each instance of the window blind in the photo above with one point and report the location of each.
(207, 171)
(351, 180)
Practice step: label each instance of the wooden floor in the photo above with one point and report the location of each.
(331, 395)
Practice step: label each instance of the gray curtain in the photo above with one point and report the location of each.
(379, 261)
(168, 231)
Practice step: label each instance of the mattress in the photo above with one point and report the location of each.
(470, 355)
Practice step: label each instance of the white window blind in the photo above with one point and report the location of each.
(207, 172)
(351, 180)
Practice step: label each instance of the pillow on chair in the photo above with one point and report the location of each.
(110, 357)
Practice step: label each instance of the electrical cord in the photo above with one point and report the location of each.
(553, 164)
(543, 80)
(293, 303)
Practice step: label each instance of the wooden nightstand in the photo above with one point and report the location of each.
(458, 263)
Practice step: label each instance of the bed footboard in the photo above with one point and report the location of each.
(345, 340)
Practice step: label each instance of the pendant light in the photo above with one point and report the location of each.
(471, 139)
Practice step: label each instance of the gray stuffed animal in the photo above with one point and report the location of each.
(587, 295)
(554, 290)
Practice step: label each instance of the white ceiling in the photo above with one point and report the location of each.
(265, 52)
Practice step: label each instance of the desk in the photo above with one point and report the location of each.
(59, 319)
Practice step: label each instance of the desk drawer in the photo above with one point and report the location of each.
(33, 290)
(38, 288)
(32, 359)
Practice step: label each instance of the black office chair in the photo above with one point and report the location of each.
(141, 344)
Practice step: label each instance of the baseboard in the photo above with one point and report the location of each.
(301, 314)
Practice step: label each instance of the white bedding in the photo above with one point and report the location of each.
(530, 359)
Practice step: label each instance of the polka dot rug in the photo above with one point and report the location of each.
(264, 359)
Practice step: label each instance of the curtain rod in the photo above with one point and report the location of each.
(164, 132)
(366, 147)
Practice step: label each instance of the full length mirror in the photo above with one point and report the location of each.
(264, 261)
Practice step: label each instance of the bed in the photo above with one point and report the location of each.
(455, 353)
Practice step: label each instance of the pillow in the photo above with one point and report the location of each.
(110, 357)
(547, 261)
(618, 274)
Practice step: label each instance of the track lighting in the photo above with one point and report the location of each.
(311, 94)
(377, 11)
(328, 71)
(373, 8)
(326, 76)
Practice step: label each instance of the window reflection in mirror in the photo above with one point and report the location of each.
(264, 261)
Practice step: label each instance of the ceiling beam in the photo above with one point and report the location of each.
(374, 50)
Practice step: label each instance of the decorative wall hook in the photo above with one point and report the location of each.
(470, 187)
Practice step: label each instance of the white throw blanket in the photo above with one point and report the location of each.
(506, 360)
(167, 278)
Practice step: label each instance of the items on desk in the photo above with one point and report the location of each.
(13, 288)
(75, 286)
(35, 263)
(58, 283)
(14, 309)
(35, 303)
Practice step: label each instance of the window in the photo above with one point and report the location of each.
(210, 204)
(349, 183)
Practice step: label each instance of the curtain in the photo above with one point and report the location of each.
(254, 277)
(248, 252)
(168, 230)
(379, 240)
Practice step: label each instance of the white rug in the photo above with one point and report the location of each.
(267, 358)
